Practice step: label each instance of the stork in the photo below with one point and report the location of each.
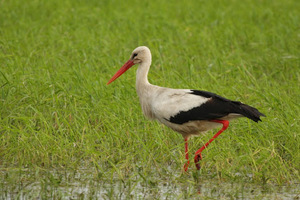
(188, 112)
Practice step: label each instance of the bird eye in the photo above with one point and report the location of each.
(134, 55)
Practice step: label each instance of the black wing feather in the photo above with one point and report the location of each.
(217, 107)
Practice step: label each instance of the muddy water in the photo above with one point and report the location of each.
(85, 184)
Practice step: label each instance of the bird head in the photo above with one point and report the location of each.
(139, 55)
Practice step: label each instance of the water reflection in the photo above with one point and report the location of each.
(85, 184)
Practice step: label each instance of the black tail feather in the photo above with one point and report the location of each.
(250, 112)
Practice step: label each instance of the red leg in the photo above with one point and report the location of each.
(198, 155)
(186, 165)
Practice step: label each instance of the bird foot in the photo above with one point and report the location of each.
(197, 158)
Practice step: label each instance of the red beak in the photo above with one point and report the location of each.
(123, 69)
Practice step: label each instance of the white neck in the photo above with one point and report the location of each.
(144, 89)
(142, 77)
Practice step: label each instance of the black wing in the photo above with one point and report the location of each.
(217, 107)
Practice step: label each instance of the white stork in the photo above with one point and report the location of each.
(188, 112)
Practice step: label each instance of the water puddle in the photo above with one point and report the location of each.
(86, 184)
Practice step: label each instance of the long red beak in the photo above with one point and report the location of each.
(123, 69)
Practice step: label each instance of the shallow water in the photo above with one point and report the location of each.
(86, 184)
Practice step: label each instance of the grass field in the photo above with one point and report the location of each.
(58, 114)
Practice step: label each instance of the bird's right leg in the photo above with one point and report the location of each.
(198, 155)
(186, 165)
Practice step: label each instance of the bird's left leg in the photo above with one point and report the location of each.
(186, 165)
(198, 155)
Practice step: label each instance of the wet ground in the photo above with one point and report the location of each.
(85, 184)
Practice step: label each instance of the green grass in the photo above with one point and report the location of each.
(57, 112)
